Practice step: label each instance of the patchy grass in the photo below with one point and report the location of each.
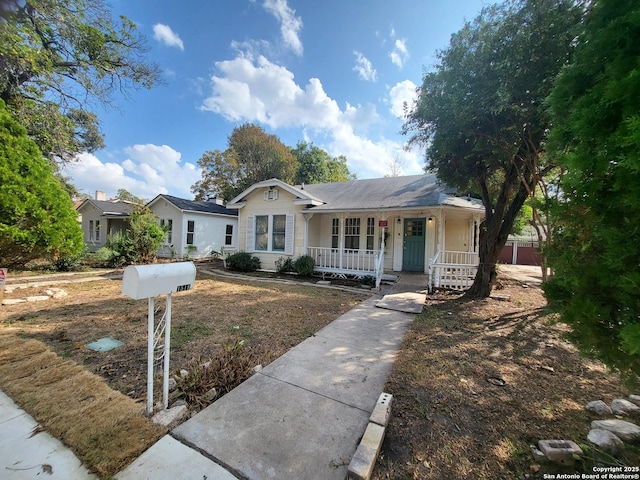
(94, 401)
(477, 382)
(105, 428)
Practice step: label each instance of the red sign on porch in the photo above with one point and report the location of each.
(383, 223)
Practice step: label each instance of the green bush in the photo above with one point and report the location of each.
(368, 280)
(304, 265)
(284, 265)
(70, 263)
(243, 261)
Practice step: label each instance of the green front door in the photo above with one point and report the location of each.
(413, 246)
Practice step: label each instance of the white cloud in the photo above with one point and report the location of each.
(257, 90)
(147, 171)
(364, 67)
(399, 55)
(290, 25)
(164, 34)
(401, 96)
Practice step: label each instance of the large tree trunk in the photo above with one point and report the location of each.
(494, 232)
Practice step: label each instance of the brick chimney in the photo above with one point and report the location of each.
(100, 195)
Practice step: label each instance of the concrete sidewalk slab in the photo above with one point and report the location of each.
(25, 455)
(343, 372)
(407, 295)
(408, 302)
(185, 464)
(269, 429)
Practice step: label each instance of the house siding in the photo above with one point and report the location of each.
(283, 205)
(209, 234)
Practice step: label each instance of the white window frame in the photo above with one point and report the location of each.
(228, 235)
(191, 223)
(168, 238)
(288, 236)
(94, 230)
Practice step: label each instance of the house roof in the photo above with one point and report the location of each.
(414, 191)
(112, 208)
(193, 206)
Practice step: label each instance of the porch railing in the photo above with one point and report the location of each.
(454, 270)
(344, 260)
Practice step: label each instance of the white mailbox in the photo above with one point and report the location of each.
(150, 281)
(145, 281)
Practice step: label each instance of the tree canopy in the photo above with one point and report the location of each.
(315, 165)
(253, 156)
(37, 219)
(481, 115)
(57, 59)
(595, 107)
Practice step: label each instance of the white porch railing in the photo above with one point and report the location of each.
(344, 261)
(454, 270)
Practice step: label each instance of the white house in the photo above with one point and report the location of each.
(364, 227)
(194, 229)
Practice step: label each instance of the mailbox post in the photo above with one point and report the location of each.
(149, 281)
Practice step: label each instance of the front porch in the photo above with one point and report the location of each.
(446, 269)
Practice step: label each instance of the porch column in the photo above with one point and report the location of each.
(471, 234)
(341, 240)
(476, 232)
(305, 241)
(441, 216)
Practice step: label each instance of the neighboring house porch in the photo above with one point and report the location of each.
(364, 227)
(100, 219)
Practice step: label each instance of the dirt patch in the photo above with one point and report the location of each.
(477, 382)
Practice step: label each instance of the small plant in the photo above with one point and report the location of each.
(304, 265)
(224, 371)
(243, 261)
(284, 265)
(368, 280)
(70, 263)
(190, 250)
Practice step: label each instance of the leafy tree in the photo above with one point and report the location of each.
(481, 113)
(252, 156)
(127, 196)
(595, 105)
(140, 242)
(338, 171)
(314, 165)
(57, 57)
(37, 219)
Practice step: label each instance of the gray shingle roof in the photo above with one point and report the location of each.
(386, 193)
(111, 207)
(200, 206)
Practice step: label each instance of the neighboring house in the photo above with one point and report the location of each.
(522, 249)
(194, 229)
(364, 227)
(102, 218)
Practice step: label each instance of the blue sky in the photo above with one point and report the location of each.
(334, 72)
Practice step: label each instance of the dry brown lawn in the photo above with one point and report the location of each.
(477, 382)
(90, 400)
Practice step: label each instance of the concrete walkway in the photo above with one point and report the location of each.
(302, 416)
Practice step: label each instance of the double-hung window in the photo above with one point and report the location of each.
(167, 225)
(279, 233)
(228, 235)
(335, 233)
(270, 233)
(191, 232)
(94, 230)
(371, 228)
(352, 233)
